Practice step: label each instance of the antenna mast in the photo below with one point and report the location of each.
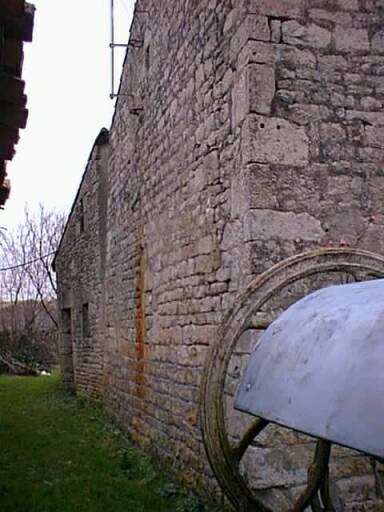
(112, 46)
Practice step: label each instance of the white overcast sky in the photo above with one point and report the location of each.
(67, 75)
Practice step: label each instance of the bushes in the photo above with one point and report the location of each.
(28, 309)
(28, 352)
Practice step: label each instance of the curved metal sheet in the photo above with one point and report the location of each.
(319, 367)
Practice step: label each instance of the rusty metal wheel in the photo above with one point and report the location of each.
(316, 269)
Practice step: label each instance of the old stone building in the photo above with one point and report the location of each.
(245, 132)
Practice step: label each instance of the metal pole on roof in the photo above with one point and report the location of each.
(112, 46)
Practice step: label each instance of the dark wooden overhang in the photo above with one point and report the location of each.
(16, 26)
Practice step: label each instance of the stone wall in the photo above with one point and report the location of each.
(81, 268)
(245, 132)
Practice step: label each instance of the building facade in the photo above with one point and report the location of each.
(244, 132)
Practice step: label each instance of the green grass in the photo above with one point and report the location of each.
(60, 454)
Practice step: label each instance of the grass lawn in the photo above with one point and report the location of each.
(58, 454)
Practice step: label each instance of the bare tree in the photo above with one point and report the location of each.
(43, 234)
(27, 282)
(15, 288)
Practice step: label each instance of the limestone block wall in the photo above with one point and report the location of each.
(310, 164)
(245, 132)
(80, 266)
(167, 282)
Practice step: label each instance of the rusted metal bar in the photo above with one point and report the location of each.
(112, 46)
(248, 436)
(317, 473)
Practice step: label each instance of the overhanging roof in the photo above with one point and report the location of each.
(16, 26)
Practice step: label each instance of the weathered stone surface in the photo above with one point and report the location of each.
(296, 58)
(277, 7)
(240, 98)
(253, 91)
(348, 5)
(258, 27)
(340, 18)
(378, 42)
(375, 136)
(332, 132)
(261, 53)
(275, 31)
(373, 118)
(265, 224)
(312, 35)
(274, 466)
(261, 88)
(253, 27)
(371, 104)
(349, 39)
(360, 489)
(330, 63)
(276, 141)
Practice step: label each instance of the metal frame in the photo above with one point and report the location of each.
(112, 46)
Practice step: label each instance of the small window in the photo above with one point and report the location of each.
(85, 321)
(81, 216)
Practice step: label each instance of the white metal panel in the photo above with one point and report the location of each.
(319, 368)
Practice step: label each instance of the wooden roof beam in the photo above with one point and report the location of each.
(17, 17)
(12, 89)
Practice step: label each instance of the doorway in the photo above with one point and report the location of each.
(67, 367)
